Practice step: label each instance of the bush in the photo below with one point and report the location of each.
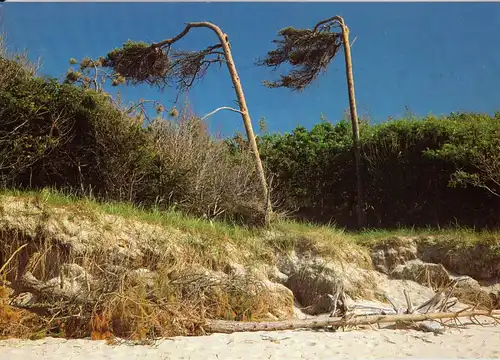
(79, 140)
(416, 172)
(412, 171)
(199, 175)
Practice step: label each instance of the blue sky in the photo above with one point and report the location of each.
(432, 57)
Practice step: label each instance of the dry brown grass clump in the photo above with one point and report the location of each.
(200, 176)
(18, 323)
(14, 322)
(327, 242)
(94, 274)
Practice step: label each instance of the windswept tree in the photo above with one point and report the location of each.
(158, 64)
(309, 52)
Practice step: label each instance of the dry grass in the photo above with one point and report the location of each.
(151, 273)
(14, 322)
(186, 266)
(459, 237)
(316, 240)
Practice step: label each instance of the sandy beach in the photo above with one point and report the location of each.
(474, 341)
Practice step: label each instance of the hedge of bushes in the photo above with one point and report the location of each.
(436, 171)
(416, 172)
(78, 140)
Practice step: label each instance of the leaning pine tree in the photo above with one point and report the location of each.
(159, 65)
(309, 52)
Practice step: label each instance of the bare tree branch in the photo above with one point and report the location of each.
(219, 109)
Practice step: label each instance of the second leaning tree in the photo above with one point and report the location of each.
(310, 52)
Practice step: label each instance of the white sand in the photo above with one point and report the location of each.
(473, 342)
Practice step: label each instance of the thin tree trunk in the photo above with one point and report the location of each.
(243, 109)
(354, 120)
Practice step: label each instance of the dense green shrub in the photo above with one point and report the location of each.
(414, 171)
(76, 139)
(67, 137)
(309, 167)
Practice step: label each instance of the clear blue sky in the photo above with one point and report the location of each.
(433, 57)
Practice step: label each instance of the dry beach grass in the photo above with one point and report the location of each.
(147, 274)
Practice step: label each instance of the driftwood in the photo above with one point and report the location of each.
(223, 326)
(437, 307)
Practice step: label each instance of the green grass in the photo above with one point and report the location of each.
(457, 237)
(286, 235)
(252, 244)
(210, 237)
(170, 218)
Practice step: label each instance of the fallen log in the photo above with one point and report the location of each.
(227, 327)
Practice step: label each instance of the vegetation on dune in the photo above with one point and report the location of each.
(195, 263)
(436, 171)
(158, 64)
(79, 140)
(76, 161)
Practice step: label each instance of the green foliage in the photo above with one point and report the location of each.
(61, 134)
(137, 62)
(416, 172)
(77, 139)
(412, 170)
(475, 145)
(129, 48)
(157, 64)
(305, 162)
(308, 51)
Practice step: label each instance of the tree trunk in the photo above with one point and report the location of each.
(245, 115)
(222, 326)
(241, 101)
(355, 126)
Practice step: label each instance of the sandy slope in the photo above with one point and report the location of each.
(473, 342)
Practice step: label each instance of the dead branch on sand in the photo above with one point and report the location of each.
(437, 307)
(346, 312)
(223, 326)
